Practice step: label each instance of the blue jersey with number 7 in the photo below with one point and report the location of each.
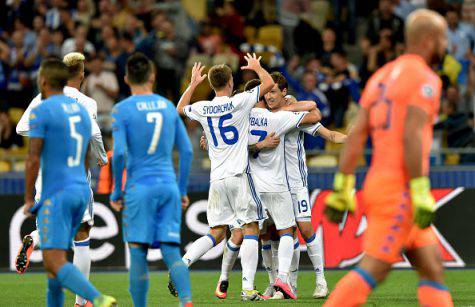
(146, 128)
(65, 128)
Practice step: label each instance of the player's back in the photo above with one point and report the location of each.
(225, 121)
(150, 126)
(406, 81)
(65, 128)
(268, 166)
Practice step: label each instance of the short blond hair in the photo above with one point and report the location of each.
(75, 63)
(219, 76)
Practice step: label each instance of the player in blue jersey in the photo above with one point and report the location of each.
(146, 127)
(60, 130)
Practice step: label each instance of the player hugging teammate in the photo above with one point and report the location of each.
(257, 169)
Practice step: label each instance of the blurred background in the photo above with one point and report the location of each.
(327, 49)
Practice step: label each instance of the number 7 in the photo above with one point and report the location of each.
(158, 118)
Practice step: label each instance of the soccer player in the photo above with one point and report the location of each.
(296, 173)
(233, 199)
(82, 259)
(146, 128)
(399, 105)
(60, 130)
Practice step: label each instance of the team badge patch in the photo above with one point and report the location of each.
(427, 91)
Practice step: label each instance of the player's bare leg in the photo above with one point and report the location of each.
(63, 274)
(199, 248)
(231, 252)
(249, 259)
(355, 287)
(82, 257)
(432, 289)
(285, 254)
(315, 255)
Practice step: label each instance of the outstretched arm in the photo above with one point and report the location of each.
(331, 135)
(196, 79)
(355, 143)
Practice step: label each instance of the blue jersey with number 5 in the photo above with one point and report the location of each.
(65, 128)
(146, 128)
(225, 121)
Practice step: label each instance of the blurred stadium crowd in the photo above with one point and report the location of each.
(327, 49)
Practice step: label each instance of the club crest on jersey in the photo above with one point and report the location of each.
(258, 121)
(427, 91)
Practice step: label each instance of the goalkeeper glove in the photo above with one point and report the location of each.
(341, 199)
(422, 201)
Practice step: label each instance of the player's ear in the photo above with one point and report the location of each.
(284, 92)
(126, 80)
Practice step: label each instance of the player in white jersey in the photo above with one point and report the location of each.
(233, 199)
(75, 63)
(296, 172)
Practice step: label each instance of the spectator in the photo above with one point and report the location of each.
(232, 25)
(330, 45)
(4, 70)
(382, 53)
(458, 39)
(53, 19)
(170, 55)
(384, 18)
(8, 137)
(19, 82)
(177, 14)
(78, 43)
(127, 48)
(44, 48)
(402, 8)
(289, 17)
(84, 11)
(103, 87)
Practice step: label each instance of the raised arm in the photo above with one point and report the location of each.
(185, 149)
(253, 63)
(196, 79)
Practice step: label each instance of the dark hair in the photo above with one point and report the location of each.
(219, 76)
(55, 73)
(252, 84)
(138, 68)
(280, 80)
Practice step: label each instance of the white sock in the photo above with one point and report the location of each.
(82, 260)
(35, 234)
(231, 252)
(198, 249)
(249, 259)
(286, 251)
(316, 258)
(267, 260)
(294, 267)
(275, 257)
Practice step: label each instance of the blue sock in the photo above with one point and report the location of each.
(71, 278)
(55, 294)
(178, 271)
(138, 275)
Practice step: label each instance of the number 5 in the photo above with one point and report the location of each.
(158, 118)
(74, 161)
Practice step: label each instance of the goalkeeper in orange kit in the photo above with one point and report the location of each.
(399, 105)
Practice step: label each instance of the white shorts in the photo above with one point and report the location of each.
(279, 206)
(302, 205)
(233, 201)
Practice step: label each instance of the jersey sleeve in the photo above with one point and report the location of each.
(370, 94)
(185, 149)
(247, 99)
(289, 121)
(311, 129)
(120, 148)
(97, 144)
(23, 126)
(37, 122)
(191, 111)
(426, 95)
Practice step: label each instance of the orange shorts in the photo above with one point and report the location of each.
(390, 228)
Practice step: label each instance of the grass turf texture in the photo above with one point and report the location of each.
(398, 290)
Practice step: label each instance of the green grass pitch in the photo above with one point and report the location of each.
(398, 290)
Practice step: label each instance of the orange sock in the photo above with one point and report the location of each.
(352, 290)
(433, 294)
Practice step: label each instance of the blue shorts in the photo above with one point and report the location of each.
(152, 212)
(60, 215)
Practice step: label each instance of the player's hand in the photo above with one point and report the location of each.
(196, 77)
(185, 202)
(271, 141)
(29, 203)
(253, 62)
(289, 99)
(342, 198)
(422, 201)
(117, 205)
(203, 143)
